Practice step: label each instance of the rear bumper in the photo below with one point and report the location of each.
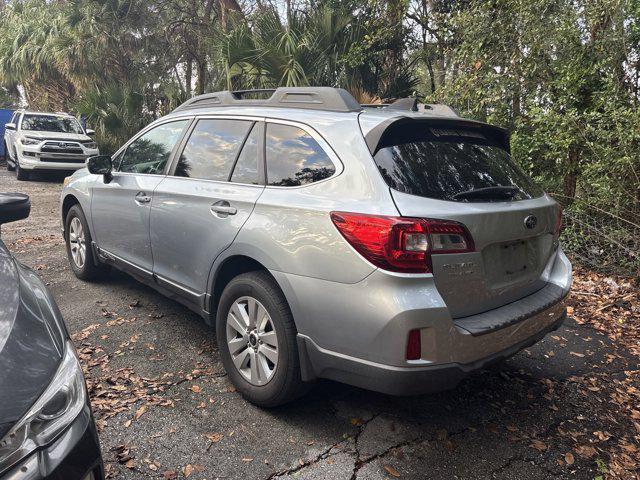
(357, 333)
(412, 380)
(75, 455)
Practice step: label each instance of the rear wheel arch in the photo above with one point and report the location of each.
(227, 271)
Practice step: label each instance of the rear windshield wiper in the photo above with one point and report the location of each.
(497, 192)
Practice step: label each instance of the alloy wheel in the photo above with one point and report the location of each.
(252, 340)
(77, 243)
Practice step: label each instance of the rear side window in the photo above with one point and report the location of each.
(212, 149)
(294, 158)
(149, 152)
(451, 164)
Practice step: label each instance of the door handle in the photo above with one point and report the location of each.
(142, 198)
(222, 209)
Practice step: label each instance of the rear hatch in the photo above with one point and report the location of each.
(463, 172)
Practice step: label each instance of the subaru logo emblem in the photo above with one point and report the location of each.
(530, 222)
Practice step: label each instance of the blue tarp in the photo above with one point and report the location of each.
(5, 116)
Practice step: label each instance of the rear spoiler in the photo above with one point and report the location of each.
(374, 138)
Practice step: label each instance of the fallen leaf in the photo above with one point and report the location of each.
(568, 457)
(585, 451)
(214, 437)
(538, 445)
(575, 354)
(391, 471)
(187, 470)
(140, 412)
(195, 389)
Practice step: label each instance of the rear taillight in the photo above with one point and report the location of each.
(402, 244)
(558, 227)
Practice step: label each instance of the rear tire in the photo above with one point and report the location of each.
(259, 339)
(79, 246)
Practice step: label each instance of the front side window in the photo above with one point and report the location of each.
(150, 152)
(50, 123)
(212, 149)
(294, 157)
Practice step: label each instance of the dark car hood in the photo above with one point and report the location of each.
(32, 339)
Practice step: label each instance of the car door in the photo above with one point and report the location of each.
(201, 205)
(120, 206)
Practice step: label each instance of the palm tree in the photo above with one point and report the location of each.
(313, 47)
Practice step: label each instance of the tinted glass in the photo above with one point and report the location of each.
(294, 157)
(51, 123)
(150, 152)
(449, 164)
(211, 149)
(246, 169)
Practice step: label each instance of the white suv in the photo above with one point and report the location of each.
(46, 141)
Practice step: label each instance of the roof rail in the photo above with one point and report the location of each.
(309, 98)
(407, 104)
(411, 104)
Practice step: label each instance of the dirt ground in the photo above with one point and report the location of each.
(567, 407)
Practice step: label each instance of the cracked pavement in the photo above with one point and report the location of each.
(161, 396)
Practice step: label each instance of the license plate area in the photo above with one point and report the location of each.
(510, 262)
(514, 257)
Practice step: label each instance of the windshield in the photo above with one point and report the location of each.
(447, 164)
(51, 123)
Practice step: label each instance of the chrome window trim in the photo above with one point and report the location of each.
(221, 182)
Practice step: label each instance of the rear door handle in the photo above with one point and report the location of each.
(223, 208)
(142, 198)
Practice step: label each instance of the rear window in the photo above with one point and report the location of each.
(451, 164)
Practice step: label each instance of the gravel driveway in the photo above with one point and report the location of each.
(165, 408)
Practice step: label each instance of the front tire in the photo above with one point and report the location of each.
(21, 174)
(7, 158)
(79, 251)
(257, 340)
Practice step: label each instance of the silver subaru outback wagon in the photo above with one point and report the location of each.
(396, 248)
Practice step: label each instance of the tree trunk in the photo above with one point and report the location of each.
(188, 75)
(202, 77)
(570, 180)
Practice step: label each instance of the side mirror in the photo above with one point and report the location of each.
(90, 131)
(10, 126)
(100, 165)
(14, 206)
